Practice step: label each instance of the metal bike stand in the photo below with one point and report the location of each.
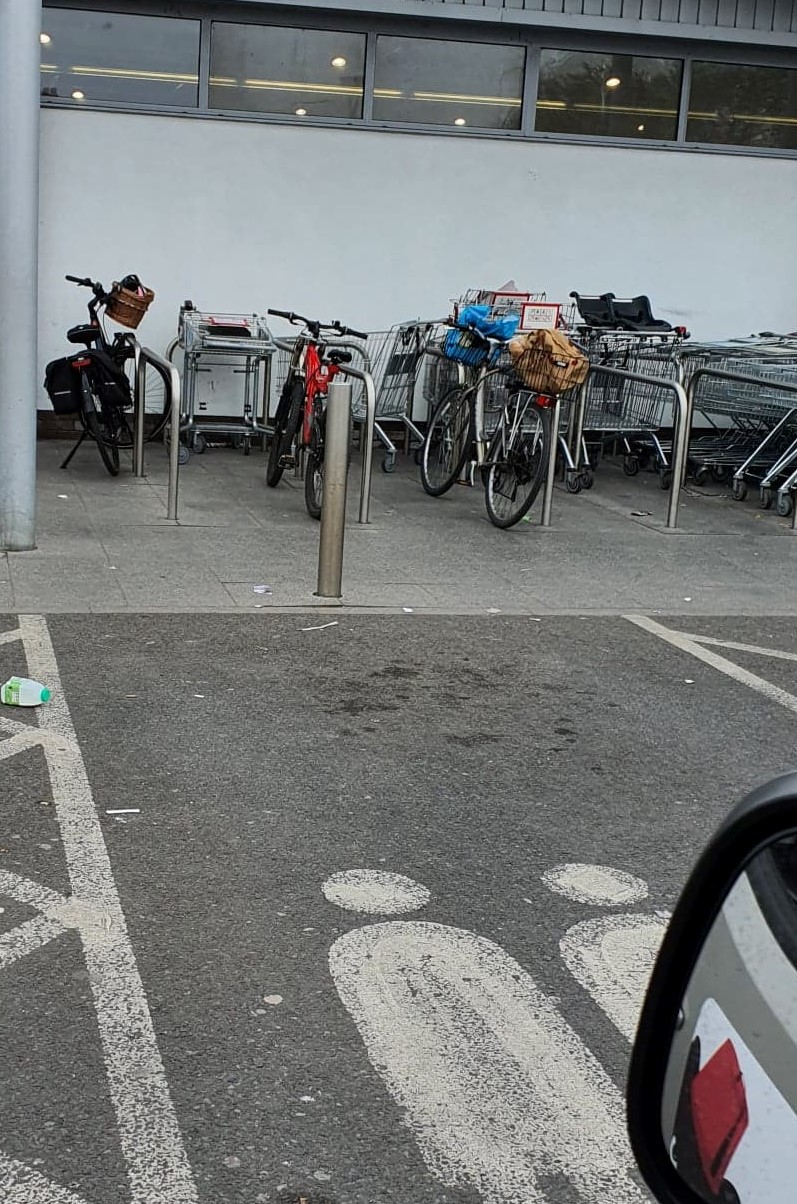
(550, 469)
(368, 438)
(171, 380)
(680, 434)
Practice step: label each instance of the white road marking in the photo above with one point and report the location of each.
(686, 644)
(375, 892)
(498, 1089)
(20, 1184)
(612, 958)
(601, 884)
(157, 1165)
(8, 637)
(756, 649)
(27, 938)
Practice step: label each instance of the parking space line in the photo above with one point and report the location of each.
(687, 644)
(733, 646)
(20, 1184)
(150, 1138)
(27, 938)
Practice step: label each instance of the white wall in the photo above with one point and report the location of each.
(375, 228)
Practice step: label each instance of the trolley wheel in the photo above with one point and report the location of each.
(739, 490)
(389, 463)
(247, 446)
(417, 455)
(702, 474)
(183, 455)
(665, 479)
(573, 482)
(784, 505)
(767, 498)
(200, 444)
(631, 465)
(720, 472)
(587, 478)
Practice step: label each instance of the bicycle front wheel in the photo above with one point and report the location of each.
(445, 448)
(517, 461)
(314, 484)
(286, 429)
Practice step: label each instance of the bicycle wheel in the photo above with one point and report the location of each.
(517, 460)
(286, 428)
(445, 448)
(103, 433)
(314, 483)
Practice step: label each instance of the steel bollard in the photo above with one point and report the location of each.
(333, 505)
(139, 398)
(550, 468)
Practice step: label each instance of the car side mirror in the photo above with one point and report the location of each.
(712, 1087)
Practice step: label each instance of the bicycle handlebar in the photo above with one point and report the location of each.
(86, 282)
(316, 327)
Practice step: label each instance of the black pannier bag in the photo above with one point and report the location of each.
(108, 380)
(62, 383)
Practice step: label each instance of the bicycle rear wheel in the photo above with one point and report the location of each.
(517, 461)
(445, 448)
(286, 429)
(98, 427)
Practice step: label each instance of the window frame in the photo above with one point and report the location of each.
(535, 38)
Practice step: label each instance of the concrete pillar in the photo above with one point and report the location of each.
(20, 26)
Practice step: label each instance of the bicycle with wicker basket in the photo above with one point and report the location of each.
(94, 384)
(501, 420)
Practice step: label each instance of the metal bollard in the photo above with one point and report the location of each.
(333, 506)
(550, 468)
(140, 398)
(174, 443)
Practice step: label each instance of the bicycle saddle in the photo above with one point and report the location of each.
(85, 334)
(339, 357)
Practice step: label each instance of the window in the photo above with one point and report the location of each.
(278, 69)
(458, 84)
(614, 95)
(96, 56)
(743, 106)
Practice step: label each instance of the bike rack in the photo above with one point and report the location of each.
(171, 379)
(681, 432)
(740, 379)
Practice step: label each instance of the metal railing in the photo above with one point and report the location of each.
(681, 431)
(368, 438)
(740, 378)
(171, 382)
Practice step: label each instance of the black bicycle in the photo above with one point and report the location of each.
(95, 384)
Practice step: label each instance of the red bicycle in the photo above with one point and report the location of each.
(300, 420)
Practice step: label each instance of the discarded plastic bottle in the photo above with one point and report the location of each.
(24, 692)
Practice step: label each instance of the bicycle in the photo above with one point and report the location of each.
(301, 411)
(95, 385)
(513, 459)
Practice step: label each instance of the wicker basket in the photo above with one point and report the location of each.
(126, 307)
(548, 362)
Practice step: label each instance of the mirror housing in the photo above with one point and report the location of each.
(761, 819)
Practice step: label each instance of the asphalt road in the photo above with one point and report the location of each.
(471, 755)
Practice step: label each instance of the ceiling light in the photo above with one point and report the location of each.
(78, 95)
(339, 61)
(613, 81)
(45, 39)
(640, 128)
(300, 112)
(459, 121)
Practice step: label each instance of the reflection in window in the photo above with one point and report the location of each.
(95, 56)
(743, 106)
(448, 83)
(614, 95)
(278, 69)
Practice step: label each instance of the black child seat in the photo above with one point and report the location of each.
(596, 311)
(636, 314)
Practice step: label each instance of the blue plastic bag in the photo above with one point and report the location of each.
(494, 328)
